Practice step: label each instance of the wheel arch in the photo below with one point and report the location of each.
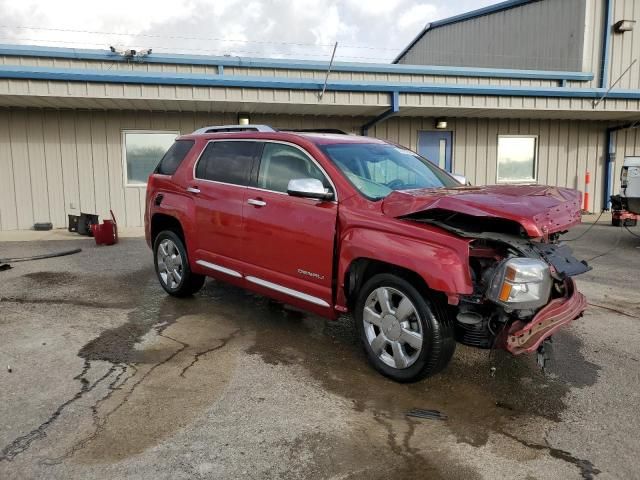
(435, 267)
(161, 222)
(362, 269)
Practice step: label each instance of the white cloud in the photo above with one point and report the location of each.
(371, 30)
(419, 14)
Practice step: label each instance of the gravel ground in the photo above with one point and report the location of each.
(111, 378)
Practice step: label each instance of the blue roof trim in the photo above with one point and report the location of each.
(106, 55)
(159, 78)
(480, 12)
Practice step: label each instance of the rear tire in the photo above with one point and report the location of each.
(409, 338)
(172, 266)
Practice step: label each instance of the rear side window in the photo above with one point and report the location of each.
(228, 162)
(174, 157)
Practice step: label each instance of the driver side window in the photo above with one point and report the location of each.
(281, 163)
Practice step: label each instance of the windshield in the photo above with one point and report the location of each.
(378, 169)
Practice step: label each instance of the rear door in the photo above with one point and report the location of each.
(289, 241)
(221, 176)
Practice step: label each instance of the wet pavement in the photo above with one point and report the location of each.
(111, 378)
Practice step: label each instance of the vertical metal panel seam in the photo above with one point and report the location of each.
(28, 163)
(75, 135)
(105, 119)
(13, 171)
(64, 195)
(46, 173)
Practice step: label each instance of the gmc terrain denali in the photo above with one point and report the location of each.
(337, 223)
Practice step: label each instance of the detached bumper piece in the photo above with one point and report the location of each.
(527, 337)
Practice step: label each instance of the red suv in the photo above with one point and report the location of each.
(338, 224)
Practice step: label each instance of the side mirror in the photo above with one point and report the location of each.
(308, 188)
(460, 178)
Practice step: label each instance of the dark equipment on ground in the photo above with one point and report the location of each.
(82, 223)
(621, 216)
(41, 257)
(43, 227)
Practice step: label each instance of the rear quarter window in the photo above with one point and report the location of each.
(174, 157)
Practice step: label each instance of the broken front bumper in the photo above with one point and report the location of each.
(526, 337)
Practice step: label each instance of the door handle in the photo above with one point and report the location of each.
(193, 190)
(256, 203)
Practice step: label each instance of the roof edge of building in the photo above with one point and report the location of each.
(240, 81)
(248, 62)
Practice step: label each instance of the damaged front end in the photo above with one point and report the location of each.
(523, 290)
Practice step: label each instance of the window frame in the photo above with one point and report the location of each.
(256, 165)
(535, 160)
(206, 145)
(193, 144)
(125, 171)
(306, 154)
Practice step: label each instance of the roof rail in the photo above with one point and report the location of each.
(234, 128)
(315, 130)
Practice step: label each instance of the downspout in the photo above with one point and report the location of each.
(395, 108)
(610, 145)
(610, 140)
(606, 42)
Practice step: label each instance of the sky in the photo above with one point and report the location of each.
(366, 30)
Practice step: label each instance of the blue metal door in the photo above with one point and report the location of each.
(436, 147)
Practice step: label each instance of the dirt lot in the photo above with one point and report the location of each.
(111, 378)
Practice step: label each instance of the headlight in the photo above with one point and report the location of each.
(521, 283)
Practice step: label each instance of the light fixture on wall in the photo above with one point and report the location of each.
(624, 26)
(441, 123)
(243, 119)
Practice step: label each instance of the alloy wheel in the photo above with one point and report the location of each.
(170, 265)
(392, 327)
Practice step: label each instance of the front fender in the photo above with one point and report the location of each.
(444, 268)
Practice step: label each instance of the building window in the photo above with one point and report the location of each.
(517, 158)
(143, 150)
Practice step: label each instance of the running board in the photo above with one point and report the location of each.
(288, 291)
(264, 283)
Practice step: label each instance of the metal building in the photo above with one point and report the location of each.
(522, 91)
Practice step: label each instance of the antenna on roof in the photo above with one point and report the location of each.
(326, 78)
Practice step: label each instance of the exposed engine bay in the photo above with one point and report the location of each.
(516, 279)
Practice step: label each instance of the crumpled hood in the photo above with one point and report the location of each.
(539, 209)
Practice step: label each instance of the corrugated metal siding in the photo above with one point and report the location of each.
(269, 72)
(95, 95)
(594, 18)
(545, 35)
(625, 47)
(566, 149)
(59, 162)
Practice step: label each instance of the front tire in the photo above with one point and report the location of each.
(172, 266)
(406, 335)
